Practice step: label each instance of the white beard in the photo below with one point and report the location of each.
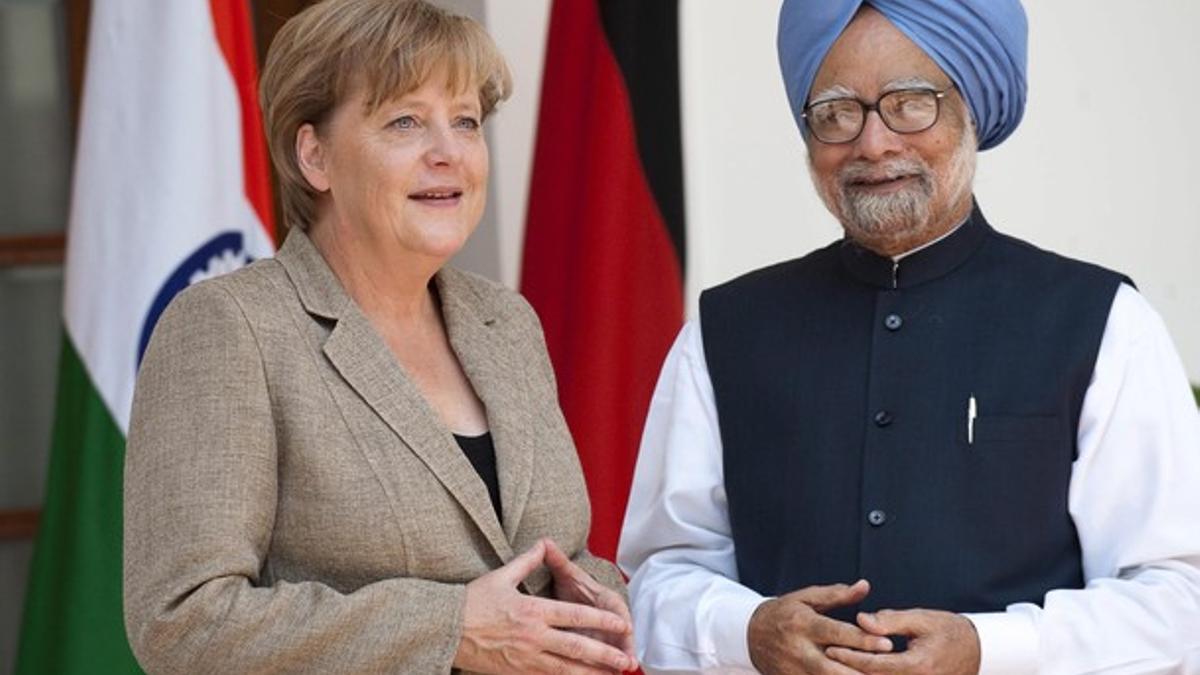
(901, 214)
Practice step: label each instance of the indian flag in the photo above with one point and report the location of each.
(170, 187)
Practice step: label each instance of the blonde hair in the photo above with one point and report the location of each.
(387, 47)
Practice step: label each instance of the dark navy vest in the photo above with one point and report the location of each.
(842, 384)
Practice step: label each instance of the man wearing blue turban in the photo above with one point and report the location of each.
(927, 447)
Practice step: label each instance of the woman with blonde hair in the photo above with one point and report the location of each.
(350, 457)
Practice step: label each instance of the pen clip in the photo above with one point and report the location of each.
(972, 412)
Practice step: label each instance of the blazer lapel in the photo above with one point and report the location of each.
(363, 359)
(475, 332)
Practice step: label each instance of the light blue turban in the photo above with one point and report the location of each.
(980, 44)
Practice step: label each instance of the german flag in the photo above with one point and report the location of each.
(604, 242)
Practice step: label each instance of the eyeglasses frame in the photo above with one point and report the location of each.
(867, 108)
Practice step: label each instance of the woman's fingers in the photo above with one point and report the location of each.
(608, 599)
(555, 557)
(612, 601)
(588, 631)
(629, 647)
(515, 570)
(549, 663)
(578, 633)
(586, 589)
(581, 617)
(565, 571)
(576, 647)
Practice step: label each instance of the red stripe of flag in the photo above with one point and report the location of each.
(235, 35)
(599, 265)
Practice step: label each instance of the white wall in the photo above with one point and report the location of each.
(1091, 173)
(519, 29)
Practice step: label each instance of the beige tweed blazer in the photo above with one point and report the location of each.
(292, 502)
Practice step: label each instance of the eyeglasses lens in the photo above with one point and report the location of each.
(906, 111)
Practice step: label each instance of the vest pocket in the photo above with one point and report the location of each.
(1015, 429)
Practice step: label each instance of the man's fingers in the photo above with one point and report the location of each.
(576, 647)
(822, 665)
(826, 631)
(867, 662)
(515, 570)
(811, 659)
(825, 598)
(581, 617)
(910, 622)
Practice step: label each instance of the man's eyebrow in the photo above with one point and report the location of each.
(836, 91)
(908, 83)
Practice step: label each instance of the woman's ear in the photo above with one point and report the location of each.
(310, 155)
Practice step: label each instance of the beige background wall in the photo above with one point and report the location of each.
(1106, 166)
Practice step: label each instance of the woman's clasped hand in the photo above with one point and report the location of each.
(586, 629)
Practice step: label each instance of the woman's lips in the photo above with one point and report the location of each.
(437, 197)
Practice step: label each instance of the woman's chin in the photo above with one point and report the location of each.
(442, 245)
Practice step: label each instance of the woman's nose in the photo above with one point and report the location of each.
(444, 147)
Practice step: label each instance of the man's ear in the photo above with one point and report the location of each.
(310, 156)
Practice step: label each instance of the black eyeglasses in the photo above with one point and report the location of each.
(904, 111)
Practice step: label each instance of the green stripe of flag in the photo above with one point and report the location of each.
(73, 621)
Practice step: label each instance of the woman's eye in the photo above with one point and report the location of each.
(469, 123)
(405, 122)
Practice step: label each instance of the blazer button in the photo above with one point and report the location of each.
(883, 418)
(893, 322)
(877, 518)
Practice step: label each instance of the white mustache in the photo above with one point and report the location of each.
(867, 172)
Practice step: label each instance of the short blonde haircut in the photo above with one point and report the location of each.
(388, 47)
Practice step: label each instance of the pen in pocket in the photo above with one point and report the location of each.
(971, 413)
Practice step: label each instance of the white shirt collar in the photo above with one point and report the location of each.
(898, 257)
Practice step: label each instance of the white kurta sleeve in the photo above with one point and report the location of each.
(1135, 500)
(690, 613)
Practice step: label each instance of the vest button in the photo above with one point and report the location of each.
(893, 322)
(877, 517)
(883, 418)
